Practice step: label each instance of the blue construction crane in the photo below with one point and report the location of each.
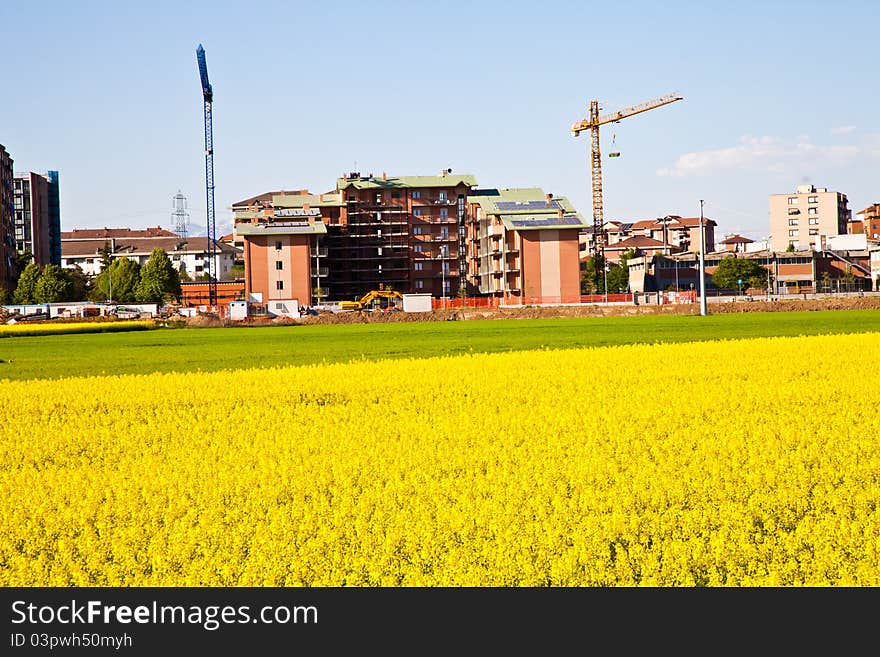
(208, 95)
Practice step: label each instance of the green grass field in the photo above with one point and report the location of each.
(208, 349)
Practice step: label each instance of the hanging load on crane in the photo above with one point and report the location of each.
(614, 153)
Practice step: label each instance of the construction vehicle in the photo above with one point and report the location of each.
(592, 124)
(368, 298)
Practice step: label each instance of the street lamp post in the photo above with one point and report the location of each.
(605, 274)
(702, 266)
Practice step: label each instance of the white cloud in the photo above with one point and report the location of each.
(843, 130)
(767, 154)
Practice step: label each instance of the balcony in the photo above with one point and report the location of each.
(321, 271)
(319, 252)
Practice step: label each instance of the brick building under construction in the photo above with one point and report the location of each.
(414, 234)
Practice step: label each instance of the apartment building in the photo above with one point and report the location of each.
(663, 235)
(867, 221)
(8, 270)
(522, 246)
(787, 272)
(436, 235)
(735, 243)
(398, 232)
(802, 219)
(37, 220)
(83, 248)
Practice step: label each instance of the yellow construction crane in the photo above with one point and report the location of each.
(592, 124)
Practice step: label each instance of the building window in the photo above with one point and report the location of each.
(395, 194)
(792, 222)
(444, 214)
(420, 284)
(813, 211)
(279, 285)
(417, 248)
(417, 212)
(792, 233)
(416, 194)
(442, 197)
(813, 199)
(814, 231)
(378, 197)
(792, 200)
(417, 230)
(793, 211)
(278, 246)
(814, 221)
(279, 265)
(419, 266)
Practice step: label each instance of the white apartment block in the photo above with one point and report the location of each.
(804, 218)
(189, 254)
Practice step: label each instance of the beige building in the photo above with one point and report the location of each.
(804, 218)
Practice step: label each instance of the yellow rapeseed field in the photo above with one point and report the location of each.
(51, 328)
(737, 463)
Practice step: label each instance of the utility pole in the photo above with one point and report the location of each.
(702, 263)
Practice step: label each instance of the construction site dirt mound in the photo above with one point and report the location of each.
(596, 310)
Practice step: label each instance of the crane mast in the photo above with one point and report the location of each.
(592, 124)
(208, 96)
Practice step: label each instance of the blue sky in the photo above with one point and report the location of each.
(776, 94)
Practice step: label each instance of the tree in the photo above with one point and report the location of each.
(790, 247)
(618, 274)
(27, 284)
(234, 273)
(106, 253)
(81, 284)
(53, 285)
(593, 275)
(124, 275)
(732, 270)
(22, 260)
(159, 279)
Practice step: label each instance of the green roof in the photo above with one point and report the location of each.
(416, 182)
(329, 200)
(282, 228)
(527, 201)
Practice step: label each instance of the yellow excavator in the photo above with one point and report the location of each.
(368, 298)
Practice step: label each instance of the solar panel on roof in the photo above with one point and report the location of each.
(512, 206)
(549, 221)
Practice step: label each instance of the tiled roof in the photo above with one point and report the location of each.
(636, 241)
(108, 233)
(736, 239)
(266, 197)
(144, 246)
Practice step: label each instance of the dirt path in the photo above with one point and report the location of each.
(590, 310)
